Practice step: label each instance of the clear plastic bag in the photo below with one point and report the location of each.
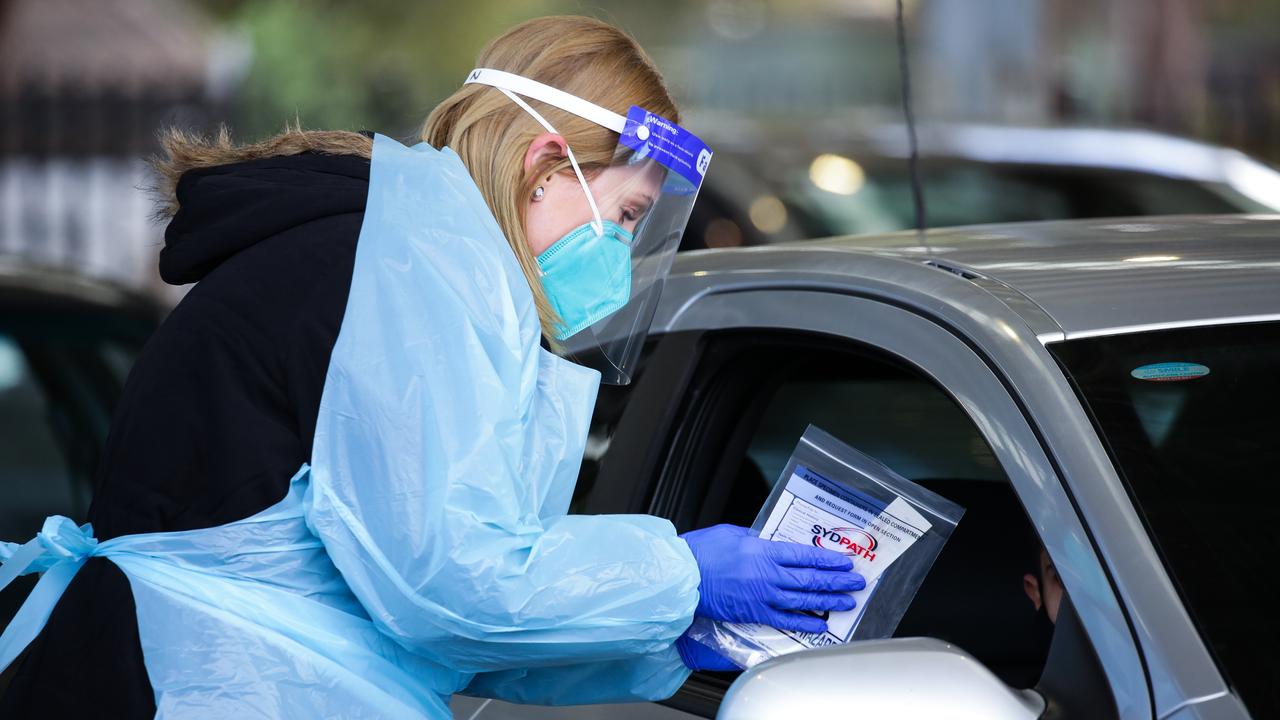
(834, 496)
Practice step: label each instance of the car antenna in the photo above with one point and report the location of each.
(917, 189)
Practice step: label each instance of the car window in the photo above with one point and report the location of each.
(61, 373)
(751, 396)
(604, 422)
(1191, 418)
(894, 413)
(34, 471)
(611, 401)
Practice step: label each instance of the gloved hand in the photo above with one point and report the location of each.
(697, 656)
(746, 579)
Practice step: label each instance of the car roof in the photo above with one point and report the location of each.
(32, 281)
(1089, 277)
(1131, 149)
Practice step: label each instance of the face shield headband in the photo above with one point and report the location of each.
(609, 291)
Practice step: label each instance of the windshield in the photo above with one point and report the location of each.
(1192, 421)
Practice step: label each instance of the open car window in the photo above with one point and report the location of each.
(726, 409)
(891, 411)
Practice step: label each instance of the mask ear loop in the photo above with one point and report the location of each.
(597, 224)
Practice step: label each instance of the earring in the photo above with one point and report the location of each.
(538, 193)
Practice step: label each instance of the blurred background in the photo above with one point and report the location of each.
(1028, 110)
(802, 98)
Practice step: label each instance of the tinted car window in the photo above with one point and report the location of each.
(611, 401)
(34, 472)
(1192, 420)
(62, 367)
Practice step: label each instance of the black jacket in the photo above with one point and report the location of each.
(220, 409)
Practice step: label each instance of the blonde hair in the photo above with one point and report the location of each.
(579, 55)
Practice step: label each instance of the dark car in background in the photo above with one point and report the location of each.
(66, 345)
(776, 185)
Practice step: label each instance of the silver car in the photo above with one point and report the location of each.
(798, 183)
(1107, 391)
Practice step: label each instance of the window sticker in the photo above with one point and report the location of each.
(653, 136)
(1170, 372)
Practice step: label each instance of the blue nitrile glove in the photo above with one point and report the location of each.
(746, 579)
(697, 656)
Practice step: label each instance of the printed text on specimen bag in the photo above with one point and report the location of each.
(815, 511)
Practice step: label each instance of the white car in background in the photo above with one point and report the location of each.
(770, 185)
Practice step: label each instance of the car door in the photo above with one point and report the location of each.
(722, 399)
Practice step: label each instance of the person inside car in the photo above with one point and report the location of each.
(1044, 587)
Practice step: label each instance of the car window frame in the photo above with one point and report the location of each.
(939, 354)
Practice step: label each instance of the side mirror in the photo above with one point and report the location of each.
(905, 678)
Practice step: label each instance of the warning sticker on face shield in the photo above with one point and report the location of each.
(654, 137)
(815, 511)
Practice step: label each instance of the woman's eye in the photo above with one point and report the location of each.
(629, 215)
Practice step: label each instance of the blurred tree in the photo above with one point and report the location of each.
(382, 64)
(376, 64)
(1211, 70)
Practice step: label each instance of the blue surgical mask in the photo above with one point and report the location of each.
(587, 275)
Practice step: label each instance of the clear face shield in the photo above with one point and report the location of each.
(604, 277)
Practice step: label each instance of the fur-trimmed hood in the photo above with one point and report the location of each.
(183, 151)
(221, 199)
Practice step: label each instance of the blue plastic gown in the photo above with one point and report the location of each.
(426, 551)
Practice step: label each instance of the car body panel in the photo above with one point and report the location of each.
(19, 276)
(1108, 276)
(1219, 706)
(469, 708)
(1010, 332)
(878, 678)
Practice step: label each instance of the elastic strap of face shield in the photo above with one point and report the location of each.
(597, 224)
(510, 84)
